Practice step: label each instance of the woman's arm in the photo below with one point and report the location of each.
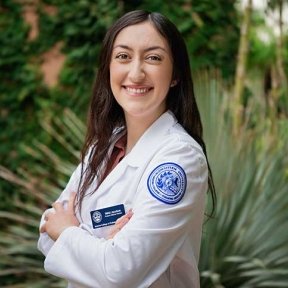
(60, 219)
(146, 245)
(45, 242)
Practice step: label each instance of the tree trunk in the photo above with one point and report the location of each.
(241, 67)
(273, 96)
(280, 49)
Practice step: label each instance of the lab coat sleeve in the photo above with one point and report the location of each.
(45, 242)
(145, 247)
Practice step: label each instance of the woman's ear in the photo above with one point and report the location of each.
(173, 83)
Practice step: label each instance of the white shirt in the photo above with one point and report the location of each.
(159, 246)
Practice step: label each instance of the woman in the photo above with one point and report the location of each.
(143, 152)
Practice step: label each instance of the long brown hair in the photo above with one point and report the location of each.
(105, 114)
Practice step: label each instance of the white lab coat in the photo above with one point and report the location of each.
(159, 246)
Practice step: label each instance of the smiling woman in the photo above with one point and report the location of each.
(143, 156)
(141, 75)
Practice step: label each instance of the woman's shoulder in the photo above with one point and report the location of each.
(178, 136)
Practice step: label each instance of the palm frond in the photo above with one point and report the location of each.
(21, 264)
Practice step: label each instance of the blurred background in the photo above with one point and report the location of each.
(238, 51)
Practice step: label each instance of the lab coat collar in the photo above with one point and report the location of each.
(150, 139)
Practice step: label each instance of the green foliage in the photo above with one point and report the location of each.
(19, 89)
(210, 29)
(24, 98)
(246, 245)
(80, 26)
(262, 44)
(83, 33)
(20, 263)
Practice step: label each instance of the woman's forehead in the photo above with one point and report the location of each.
(142, 34)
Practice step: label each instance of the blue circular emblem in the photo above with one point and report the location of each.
(97, 216)
(167, 182)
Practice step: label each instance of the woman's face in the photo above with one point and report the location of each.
(141, 71)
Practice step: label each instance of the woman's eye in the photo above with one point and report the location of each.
(154, 58)
(122, 56)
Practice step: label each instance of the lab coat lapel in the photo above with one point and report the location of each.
(151, 139)
(112, 177)
(117, 172)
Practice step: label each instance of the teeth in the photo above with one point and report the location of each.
(137, 90)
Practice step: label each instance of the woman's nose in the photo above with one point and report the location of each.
(136, 72)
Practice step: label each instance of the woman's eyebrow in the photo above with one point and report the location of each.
(145, 50)
(155, 48)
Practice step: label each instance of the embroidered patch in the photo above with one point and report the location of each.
(167, 182)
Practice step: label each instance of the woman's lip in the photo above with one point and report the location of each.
(138, 86)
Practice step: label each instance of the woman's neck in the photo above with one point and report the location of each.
(136, 128)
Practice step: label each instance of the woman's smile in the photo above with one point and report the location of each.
(137, 90)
